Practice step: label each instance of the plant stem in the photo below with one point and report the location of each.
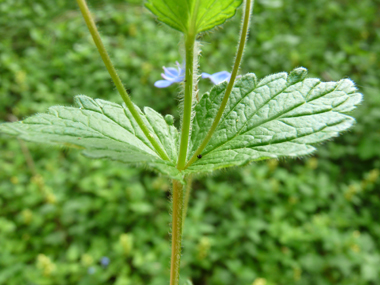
(115, 77)
(187, 198)
(176, 232)
(187, 108)
(243, 36)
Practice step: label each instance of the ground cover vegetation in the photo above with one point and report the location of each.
(310, 221)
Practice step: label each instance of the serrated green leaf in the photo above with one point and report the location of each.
(193, 15)
(103, 130)
(280, 116)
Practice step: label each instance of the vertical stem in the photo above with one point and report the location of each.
(115, 77)
(239, 54)
(189, 83)
(176, 232)
(187, 198)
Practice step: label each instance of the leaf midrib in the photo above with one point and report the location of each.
(277, 116)
(280, 141)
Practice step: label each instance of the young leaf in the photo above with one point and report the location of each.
(193, 15)
(103, 130)
(280, 116)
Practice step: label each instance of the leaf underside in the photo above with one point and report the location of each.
(279, 116)
(202, 15)
(103, 130)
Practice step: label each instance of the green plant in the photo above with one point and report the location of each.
(236, 123)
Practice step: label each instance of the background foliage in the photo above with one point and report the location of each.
(309, 221)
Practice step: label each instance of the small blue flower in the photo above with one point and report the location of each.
(104, 261)
(218, 77)
(91, 270)
(171, 76)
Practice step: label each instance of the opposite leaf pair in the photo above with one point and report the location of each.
(280, 115)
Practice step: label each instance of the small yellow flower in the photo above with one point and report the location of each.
(50, 198)
(14, 180)
(312, 163)
(355, 248)
(27, 215)
(87, 260)
(45, 265)
(260, 281)
(126, 241)
(203, 247)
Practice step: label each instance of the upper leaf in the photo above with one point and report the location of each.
(103, 130)
(193, 15)
(279, 116)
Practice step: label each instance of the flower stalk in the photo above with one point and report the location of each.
(243, 36)
(188, 100)
(115, 77)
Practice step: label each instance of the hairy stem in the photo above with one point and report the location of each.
(189, 180)
(176, 232)
(243, 36)
(115, 77)
(187, 108)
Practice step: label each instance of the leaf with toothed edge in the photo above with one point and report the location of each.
(279, 116)
(199, 15)
(103, 130)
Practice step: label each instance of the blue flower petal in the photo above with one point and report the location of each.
(218, 77)
(171, 71)
(171, 76)
(180, 68)
(179, 79)
(168, 78)
(163, 83)
(105, 261)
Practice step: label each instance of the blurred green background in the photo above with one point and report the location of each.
(308, 221)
